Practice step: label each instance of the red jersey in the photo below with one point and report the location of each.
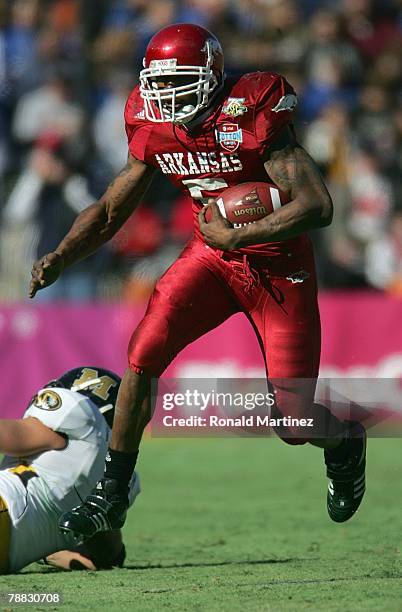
(223, 150)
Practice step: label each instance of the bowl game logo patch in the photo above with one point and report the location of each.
(234, 107)
(229, 136)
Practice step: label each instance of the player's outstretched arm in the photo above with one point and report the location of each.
(25, 437)
(95, 225)
(292, 169)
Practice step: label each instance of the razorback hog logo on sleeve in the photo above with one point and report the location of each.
(286, 103)
(198, 163)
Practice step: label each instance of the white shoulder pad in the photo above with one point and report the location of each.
(65, 411)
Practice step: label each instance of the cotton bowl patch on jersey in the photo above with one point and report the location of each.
(229, 136)
(48, 400)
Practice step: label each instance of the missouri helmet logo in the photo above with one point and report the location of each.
(48, 400)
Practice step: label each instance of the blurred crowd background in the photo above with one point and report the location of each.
(67, 67)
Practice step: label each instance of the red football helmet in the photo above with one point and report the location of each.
(180, 51)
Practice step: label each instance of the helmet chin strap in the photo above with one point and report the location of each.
(188, 108)
(203, 113)
(201, 116)
(185, 110)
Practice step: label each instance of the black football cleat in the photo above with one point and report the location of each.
(347, 476)
(103, 510)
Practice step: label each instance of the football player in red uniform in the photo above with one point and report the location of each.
(206, 132)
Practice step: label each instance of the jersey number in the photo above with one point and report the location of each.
(197, 186)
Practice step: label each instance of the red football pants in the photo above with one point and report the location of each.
(204, 287)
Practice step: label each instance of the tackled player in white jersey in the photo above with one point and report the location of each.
(54, 456)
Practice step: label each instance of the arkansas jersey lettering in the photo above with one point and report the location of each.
(197, 163)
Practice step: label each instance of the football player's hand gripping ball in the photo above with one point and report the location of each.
(217, 230)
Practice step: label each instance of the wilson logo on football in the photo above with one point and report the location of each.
(252, 210)
(229, 136)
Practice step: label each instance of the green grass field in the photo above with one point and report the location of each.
(241, 524)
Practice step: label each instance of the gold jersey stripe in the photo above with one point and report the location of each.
(20, 469)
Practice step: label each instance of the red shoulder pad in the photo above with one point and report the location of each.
(274, 108)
